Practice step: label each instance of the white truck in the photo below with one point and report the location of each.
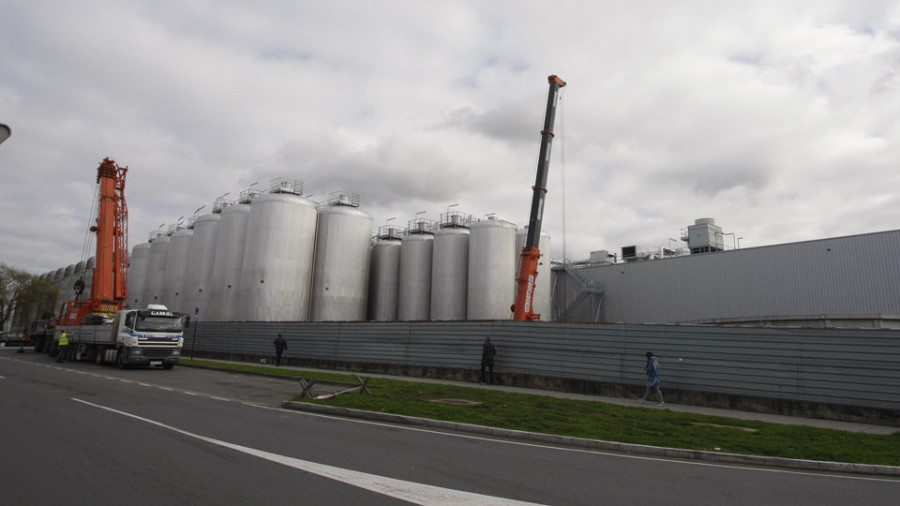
(140, 337)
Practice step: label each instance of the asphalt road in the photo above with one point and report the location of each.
(86, 434)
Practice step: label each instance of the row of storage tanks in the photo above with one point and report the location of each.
(64, 279)
(277, 256)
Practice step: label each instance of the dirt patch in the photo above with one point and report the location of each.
(742, 429)
(456, 402)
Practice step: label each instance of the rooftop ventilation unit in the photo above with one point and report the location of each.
(704, 236)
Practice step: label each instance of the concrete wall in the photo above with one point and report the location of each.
(848, 374)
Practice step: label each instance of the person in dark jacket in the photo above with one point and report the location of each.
(280, 346)
(488, 350)
(652, 369)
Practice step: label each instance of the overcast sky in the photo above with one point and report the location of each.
(778, 119)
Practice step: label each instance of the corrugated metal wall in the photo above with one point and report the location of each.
(850, 367)
(846, 275)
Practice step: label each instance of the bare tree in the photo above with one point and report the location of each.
(12, 282)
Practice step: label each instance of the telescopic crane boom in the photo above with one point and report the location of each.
(109, 287)
(523, 309)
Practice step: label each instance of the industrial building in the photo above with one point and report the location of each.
(277, 256)
(851, 281)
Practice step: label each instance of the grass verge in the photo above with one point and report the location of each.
(596, 420)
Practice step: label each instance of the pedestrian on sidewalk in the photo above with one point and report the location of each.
(652, 369)
(280, 346)
(488, 351)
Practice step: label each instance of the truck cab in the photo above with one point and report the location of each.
(152, 336)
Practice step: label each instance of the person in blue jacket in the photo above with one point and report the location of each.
(652, 369)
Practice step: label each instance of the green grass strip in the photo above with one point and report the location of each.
(597, 420)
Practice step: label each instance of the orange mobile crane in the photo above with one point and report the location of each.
(523, 309)
(109, 287)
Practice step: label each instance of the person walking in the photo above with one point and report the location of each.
(652, 369)
(488, 351)
(63, 348)
(280, 346)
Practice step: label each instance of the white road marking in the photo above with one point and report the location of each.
(416, 493)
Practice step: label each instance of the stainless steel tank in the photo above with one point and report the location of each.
(492, 269)
(200, 264)
(384, 279)
(156, 270)
(176, 267)
(79, 275)
(225, 276)
(541, 302)
(59, 277)
(89, 274)
(414, 293)
(278, 259)
(341, 269)
(450, 274)
(68, 283)
(137, 273)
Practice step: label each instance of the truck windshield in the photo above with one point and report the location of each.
(154, 323)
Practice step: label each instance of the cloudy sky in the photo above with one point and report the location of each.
(778, 119)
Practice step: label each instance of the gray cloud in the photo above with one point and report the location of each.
(778, 120)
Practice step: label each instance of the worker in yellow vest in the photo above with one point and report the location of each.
(63, 347)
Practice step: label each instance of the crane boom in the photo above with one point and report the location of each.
(109, 287)
(523, 309)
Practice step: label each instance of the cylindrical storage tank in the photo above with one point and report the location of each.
(79, 274)
(450, 274)
(137, 273)
(176, 267)
(58, 277)
(156, 271)
(68, 283)
(384, 280)
(541, 303)
(225, 277)
(492, 264)
(414, 294)
(89, 274)
(278, 259)
(341, 270)
(200, 264)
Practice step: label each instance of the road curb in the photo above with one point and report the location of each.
(658, 451)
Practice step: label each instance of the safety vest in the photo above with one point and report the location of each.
(63, 339)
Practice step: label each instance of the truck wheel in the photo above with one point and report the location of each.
(120, 359)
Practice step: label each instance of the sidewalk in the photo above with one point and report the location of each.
(726, 413)
(612, 446)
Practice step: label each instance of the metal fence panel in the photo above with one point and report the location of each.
(850, 367)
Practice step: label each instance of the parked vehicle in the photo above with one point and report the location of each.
(139, 337)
